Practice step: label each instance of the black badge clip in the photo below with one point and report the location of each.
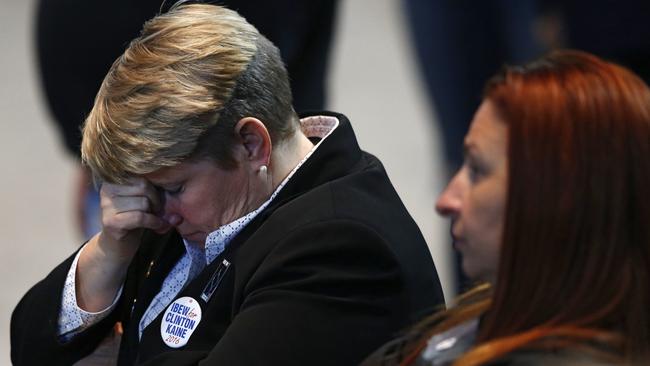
(215, 280)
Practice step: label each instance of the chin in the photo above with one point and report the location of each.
(480, 277)
(197, 237)
(472, 273)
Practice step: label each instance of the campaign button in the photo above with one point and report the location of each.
(179, 321)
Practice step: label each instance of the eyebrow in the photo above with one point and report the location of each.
(169, 183)
(164, 184)
(472, 151)
(166, 179)
(468, 147)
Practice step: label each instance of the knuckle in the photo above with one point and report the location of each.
(144, 203)
(108, 222)
(119, 234)
(138, 217)
(152, 194)
(108, 188)
(140, 184)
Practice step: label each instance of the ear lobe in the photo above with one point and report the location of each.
(255, 139)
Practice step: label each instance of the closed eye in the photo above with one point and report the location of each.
(174, 190)
(475, 169)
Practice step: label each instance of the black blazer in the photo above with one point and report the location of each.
(333, 268)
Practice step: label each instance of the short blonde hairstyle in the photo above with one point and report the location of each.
(172, 88)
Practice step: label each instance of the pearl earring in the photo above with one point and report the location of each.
(263, 170)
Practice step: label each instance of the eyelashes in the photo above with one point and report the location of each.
(175, 190)
(172, 191)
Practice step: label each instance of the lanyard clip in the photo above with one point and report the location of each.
(215, 280)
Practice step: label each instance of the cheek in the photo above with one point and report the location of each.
(484, 224)
(483, 232)
(189, 208)
(486, 220)
(487, 203)
(204, 211)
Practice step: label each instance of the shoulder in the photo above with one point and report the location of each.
(316, 243)
(363, 195)
(439, 349)
(558, 357)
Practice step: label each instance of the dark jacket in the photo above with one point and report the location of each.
(330, 270)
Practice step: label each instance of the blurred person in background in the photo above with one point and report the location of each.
(550, 211)
(233, 232)
(615, 30)
(77, 41)
(458, 45)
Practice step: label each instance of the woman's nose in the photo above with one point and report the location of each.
(450, 200)
(173, 219)
(170, 214)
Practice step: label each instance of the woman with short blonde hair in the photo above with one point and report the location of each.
(233, 232)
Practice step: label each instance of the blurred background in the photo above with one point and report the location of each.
(408, 74)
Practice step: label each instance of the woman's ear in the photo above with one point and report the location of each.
(254, 140)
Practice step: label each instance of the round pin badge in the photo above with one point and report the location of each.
(180, 320)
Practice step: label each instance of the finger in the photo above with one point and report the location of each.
(163, 229)
(131, 220)
(135, 186)
(125, 204)
(155, 198)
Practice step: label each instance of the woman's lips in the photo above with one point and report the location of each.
(459, 244)
(458, 241)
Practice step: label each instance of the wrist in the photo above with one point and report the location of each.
(99, 275)
(113, 251)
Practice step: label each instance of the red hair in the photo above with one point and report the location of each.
(574, 265)
(576, 240)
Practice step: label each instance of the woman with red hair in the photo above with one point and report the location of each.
(551, 209)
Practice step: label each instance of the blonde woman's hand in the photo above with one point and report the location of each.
(127, 209)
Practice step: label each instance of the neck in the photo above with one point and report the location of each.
(287, 155)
